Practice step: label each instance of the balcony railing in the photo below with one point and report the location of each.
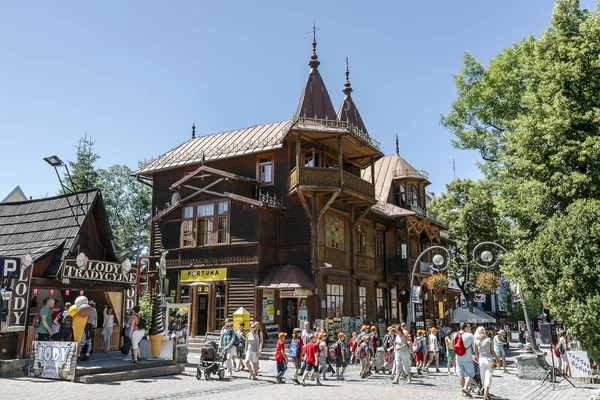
(329, 177)
(419, 212)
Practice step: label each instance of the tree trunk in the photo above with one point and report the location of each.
(470, 298)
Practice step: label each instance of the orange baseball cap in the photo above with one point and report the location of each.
(373, 328)
(321, 335)
(341, 335)
(365, 338)
(282, 335)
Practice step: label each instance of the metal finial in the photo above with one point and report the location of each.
(203, 158)
(193, 131)
(314, 62)
(347, 89)
(314, 43)
(397, 146)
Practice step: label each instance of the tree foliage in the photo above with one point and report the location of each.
(468, 209)
(536, 110)
(127, 201)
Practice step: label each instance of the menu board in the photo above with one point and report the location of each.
(579, 363)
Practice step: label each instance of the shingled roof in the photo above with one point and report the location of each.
(41, 226)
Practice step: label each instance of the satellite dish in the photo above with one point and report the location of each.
(176, 198)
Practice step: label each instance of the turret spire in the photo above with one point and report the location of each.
(347, 89)
(314, 59)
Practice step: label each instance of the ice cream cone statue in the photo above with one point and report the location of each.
(80, 312)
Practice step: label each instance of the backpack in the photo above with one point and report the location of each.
(236, 339)
(459, 345)
(360, 351)
(37, 320)
(333, 349)
(294, 348)
(141, 322)
(418, 345)
(556, 353)
(561, 347)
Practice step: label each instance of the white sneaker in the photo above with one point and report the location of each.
(127, 359)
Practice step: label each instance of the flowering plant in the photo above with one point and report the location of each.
(437, 282)
(487, 281)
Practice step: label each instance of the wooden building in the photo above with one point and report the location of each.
(54, 231)
(292, 220)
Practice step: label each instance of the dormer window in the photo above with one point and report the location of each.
(265, 169)
(400, 196)
(413, 196)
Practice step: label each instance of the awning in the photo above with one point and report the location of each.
(475, 317)
(287, 277)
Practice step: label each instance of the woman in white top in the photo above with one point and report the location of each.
(484, 351)
(107, 327)
(402, 356)
(253, 344)
(434, 350)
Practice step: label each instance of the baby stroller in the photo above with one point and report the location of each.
(211, 362)
(476, 384)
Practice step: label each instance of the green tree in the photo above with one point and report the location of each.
(128, 204)
(84, 174)
(535, 109)
(468, 209)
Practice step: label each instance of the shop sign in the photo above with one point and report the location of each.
(19, 302)
(99, 271)
(268, 306)
(130, 299)
(212, 337)
(394, 302)
(579, 364)
(204, 275)
(9, 267)
(54, 360)
(415, 296)
(295, 293)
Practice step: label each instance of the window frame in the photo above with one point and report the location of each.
(338, 297)
(379, 248)
(362, 302)
(400, 199)
(413, 197)
(259, 165)
(361, 236)
(212, 238)
(330, 161)
(317, 156)
(329, 224)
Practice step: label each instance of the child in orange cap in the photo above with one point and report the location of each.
(364, 355)
(339, 348)
(281, 358)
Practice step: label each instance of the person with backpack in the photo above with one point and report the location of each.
(561, 349)
(419, 350)
(363, 353)
(339, 350)
(463, 348)
(65, 326)
(241, 334)
(388, 349)
(136, 333)
(229, 342)
(296, 349)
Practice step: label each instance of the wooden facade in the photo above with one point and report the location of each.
(295, 193)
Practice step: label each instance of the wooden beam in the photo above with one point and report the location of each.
(340, 159)
(373, 170)
(329, 203)
(361, 216)
(298, 152)
(203, 190)
(305, 205)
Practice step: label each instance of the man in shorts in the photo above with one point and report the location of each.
(466, 368)
(499, 345)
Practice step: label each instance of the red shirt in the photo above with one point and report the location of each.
(280, 349)
(300, 348)
(311, 350)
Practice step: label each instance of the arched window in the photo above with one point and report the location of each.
(413, 196)
(400, 195)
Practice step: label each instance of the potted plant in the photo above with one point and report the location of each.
(437, 282)
(487, 281)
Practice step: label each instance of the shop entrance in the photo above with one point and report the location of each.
(290, 315)
(202, 314)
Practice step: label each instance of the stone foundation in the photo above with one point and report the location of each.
(13, 368)
(532, 366)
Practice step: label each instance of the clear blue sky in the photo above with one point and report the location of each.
(136, 74)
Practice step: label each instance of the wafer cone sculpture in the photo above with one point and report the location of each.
(78, 327)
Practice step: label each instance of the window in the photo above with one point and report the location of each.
(413, 196)
(380, 310)
(400, 195)
(378, 243)
(265, 169)
(362, 239)
(335, 300)
(334, 232)
(187, 227)
(331, 162)
(312, 158)
(200, 221)
(220, 306)
(362, 302)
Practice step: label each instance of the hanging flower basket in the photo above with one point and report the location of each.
(487, 281)
(437, 282)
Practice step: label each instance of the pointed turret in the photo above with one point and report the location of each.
(348, 111)
(315, 101)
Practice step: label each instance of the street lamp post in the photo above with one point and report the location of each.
(487, 257)
(438, 266)
(6, 294)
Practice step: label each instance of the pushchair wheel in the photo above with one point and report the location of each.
(198, 374)
(206, 376)
(222, 374)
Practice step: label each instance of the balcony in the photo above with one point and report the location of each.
(398, 266)
(329, 179)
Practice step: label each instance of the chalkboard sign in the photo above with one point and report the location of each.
(272, 331)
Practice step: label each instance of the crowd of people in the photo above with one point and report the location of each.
(316, 356)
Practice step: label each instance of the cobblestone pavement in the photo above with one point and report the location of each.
(185, 386)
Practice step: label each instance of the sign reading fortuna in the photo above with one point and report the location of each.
(204, 275)
(99, 271)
